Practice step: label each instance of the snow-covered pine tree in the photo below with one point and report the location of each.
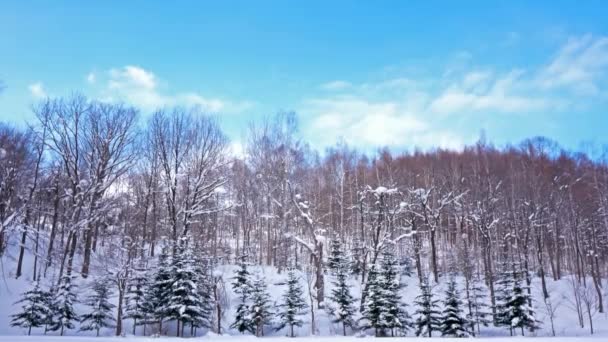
(343, 310)
(478, 309)
(357, 258)
(453, 321)
(374, 308)
(242, 286)
(137, 307)
(429, 317)
(503, 296)
(293, 304)
(335, 255)
(34, 309)
(203, 269)
(261, 310)
(396, 316)
(184, 303)
(64, 315)
(520, 314)
(157, 294)
(100, 315)
(49, 300)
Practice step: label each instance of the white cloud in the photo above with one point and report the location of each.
(37, 90)
(335, 85)
(363, 123)
(142, 88)
(449, 108)
(482, 92)
(91, 78)
(581, 64)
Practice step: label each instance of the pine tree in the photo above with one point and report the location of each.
(357, 258)
(64, 315)
(34, 309)
(396, 315)
(261, 311)
(334, 260)
(100, 315)
(374, 308)
(453, 322)
(242, 287)
(429, 317)
(503, 296)
(478, 313)
(520, 314)
(203, 270)
(293, 304)
(49, 300)
(158, 292)
(137, 307)
(344, 302)
(184, 303)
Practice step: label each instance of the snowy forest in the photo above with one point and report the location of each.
(118, 223)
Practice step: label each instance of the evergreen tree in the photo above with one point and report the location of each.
(293, 304)
(357, 258)
(100, 315)
(375, 306)
(137, 307)
(429, 317)
(261, 311)
(453, 322)
(396, 316)
(63, 305)
(184, 303)
(344, 302)
(520, 313)
(158, 292)
(504, 286)
(34, 309)
(478, 313)
(49, 300)
(204, 280)
(334, 260)
(242, 287)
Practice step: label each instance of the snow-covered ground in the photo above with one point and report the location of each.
(276, 339)
(566, 320)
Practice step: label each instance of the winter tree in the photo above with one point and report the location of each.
(242, 286)
(158, 292)
(261, 309)
(343, 309)
(375, 306)
(478, 309)
(513, 301)
(429, 316)
(335, 255)
(521, 314)
(64, 315)
(184, 303)
(396, 316)
(100, 314)
(293, 304)
(138, 308)
(34, 309)
(453, 320)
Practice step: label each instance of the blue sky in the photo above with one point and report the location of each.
(395, 73)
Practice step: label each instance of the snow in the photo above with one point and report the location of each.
(383, 190)
(214, 337)
(566, 321)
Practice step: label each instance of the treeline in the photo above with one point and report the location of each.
(93, 187)
(179, 289)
